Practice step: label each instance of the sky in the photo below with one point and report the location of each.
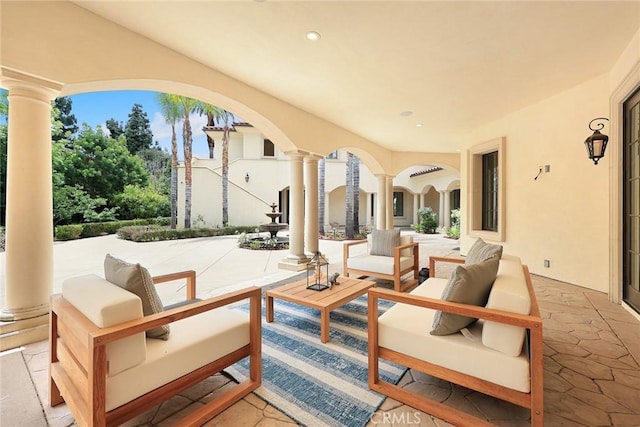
(95, 108)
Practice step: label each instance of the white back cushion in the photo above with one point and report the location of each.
(509, 293)
(403, 241)
(105, 305)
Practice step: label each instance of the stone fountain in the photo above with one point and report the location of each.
(273, 227)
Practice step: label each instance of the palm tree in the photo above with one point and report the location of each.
(321, 173)
(349, 234)
(225, 118)
(211, 112)
(187, 106)
(355, 165)
(170, 109)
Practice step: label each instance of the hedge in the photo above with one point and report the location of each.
(93, 229)
(151, 233)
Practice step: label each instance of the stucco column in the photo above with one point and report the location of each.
(416, 201)
(447, 208)
(369, 206)
(381, 203)
(327, 212)
(441, 209)
(296, 260)
(311, 204)
(29, 221)
(389, 207)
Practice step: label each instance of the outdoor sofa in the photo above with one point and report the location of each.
(107, 369)
(499, 355)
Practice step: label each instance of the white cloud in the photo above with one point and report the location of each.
(162, 133)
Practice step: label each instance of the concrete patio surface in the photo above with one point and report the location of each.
(592, 347)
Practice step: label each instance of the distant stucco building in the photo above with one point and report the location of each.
(259, 176)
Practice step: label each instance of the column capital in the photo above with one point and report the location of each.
(311, 157)
(27, 85)
(296, 154)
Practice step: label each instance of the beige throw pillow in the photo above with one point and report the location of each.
(137, 279)
(481, 251)
(384, 241)
(469, 284)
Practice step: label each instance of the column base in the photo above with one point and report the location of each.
(23, 314)
(20, 332)
(294, 263)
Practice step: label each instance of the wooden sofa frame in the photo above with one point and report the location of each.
(396, 277)
(533, 323)
(78, 363)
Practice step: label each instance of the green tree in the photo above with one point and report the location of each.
(101, 165)
(71, 203)
(138, 130)
(170, 109)
(115, 128)
(138, 202)
(67, 119)
(158, 164)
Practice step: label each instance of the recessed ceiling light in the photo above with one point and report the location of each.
(313, 36)
(419, 125)
(406, 113)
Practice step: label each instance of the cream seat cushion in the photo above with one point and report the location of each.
(195, 341)
(105, 305)
(403, 328)
(377, 263)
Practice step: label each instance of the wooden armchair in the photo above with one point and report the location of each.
(405, 260)
(107, 371)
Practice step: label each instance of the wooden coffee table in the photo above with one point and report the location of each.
(348, 289)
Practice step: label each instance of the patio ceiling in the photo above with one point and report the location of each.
(453, 65)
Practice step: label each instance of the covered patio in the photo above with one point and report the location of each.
(592, 358)
(399, 84)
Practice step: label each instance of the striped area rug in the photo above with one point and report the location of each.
(313, 383)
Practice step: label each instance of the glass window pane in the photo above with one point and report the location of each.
(634, 197)
(635, 124)
(633, 160)
(634, 234)
(490, 191)
(269, 149)
(398, 203)
(634, 272)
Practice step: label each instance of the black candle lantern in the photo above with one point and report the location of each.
(318, 273)
(597, 142)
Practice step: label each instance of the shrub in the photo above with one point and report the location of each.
(454, 231)
(427, 221)
(68, 232)
(139, 202)
(153, 232)
(93, 229)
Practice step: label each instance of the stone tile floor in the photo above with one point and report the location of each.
(592, 376)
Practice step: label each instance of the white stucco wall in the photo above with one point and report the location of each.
(562, 216)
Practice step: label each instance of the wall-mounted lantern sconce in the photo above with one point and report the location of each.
(246, 178)
(597, 143)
